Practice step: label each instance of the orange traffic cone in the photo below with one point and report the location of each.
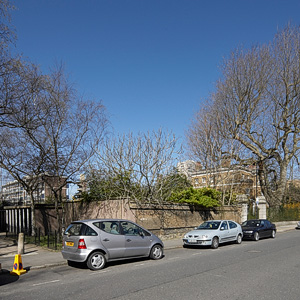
(18, 266)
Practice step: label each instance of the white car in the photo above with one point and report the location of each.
(214, 232)
(298, 225)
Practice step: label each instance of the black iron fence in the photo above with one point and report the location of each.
(50, 240)
(16, 220)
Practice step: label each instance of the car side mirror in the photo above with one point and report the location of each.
(222, 228)
(141, 233)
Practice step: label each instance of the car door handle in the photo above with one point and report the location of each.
(106, 240)
(128, 240)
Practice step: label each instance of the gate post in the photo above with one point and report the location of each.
(243, 201)
(262, 206)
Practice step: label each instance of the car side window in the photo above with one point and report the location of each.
(133, 229)
(232, 225)
(110, 227)
(224, 225)
(90, 231)
(130, 228)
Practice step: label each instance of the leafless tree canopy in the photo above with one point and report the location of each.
(139, 164)
(256, 109)
(45, 126)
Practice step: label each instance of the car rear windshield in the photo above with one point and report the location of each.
(77, 229)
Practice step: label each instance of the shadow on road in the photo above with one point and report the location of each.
(6, 277)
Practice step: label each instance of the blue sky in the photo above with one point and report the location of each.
(151, 62)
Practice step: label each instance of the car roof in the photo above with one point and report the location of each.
(257, 220)
(218, 220)
(99, 220)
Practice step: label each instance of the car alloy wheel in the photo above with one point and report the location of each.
(256, 236)
(96, 261)
(156, 252)
(215, 242)
(273, 234)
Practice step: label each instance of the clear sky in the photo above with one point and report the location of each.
(151, 62)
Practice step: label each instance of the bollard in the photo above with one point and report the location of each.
(21, 243)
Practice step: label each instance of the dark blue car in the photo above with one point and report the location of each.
(257, 229)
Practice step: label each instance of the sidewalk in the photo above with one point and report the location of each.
(36, 257)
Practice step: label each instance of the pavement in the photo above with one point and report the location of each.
(36, 257)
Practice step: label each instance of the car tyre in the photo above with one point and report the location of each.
(273, 234)
(239, 239)
(96, 261)
(156, 252)
(256, 236)
(215, 242)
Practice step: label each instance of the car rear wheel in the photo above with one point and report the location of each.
(96, 261)
(215, 242)
(239, 239)
(273, 234)
(156, 252)
(256, 236)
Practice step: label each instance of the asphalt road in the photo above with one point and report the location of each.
(267, 269)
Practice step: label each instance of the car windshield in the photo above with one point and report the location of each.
(251, 223)
(209, 225)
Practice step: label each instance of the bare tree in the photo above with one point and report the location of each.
(138, 167)
(215, 153)
(7, 34)
(72, 130)
(258, 107)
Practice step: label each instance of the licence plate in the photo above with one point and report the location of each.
(192, 241)
(70, 244)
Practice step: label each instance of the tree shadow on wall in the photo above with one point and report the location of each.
(204, 213)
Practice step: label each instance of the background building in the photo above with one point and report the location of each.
(13, 193)
(226, 178)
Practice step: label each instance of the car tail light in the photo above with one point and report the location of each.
(81, 244)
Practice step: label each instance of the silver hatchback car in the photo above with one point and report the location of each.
(214, 232)
(98, 241)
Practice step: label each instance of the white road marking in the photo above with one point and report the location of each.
(47, 282)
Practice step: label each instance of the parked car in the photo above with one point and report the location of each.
(212, 233)
(256, 229)
(98, 241)
(298, 225)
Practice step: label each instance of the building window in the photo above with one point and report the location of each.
(203, 180)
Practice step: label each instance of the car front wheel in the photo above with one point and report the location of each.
(256, 236)
(215, 242)
(156, 252)
(96, 261)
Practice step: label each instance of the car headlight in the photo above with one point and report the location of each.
(205, 236)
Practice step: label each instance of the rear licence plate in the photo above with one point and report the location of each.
(70, 244)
